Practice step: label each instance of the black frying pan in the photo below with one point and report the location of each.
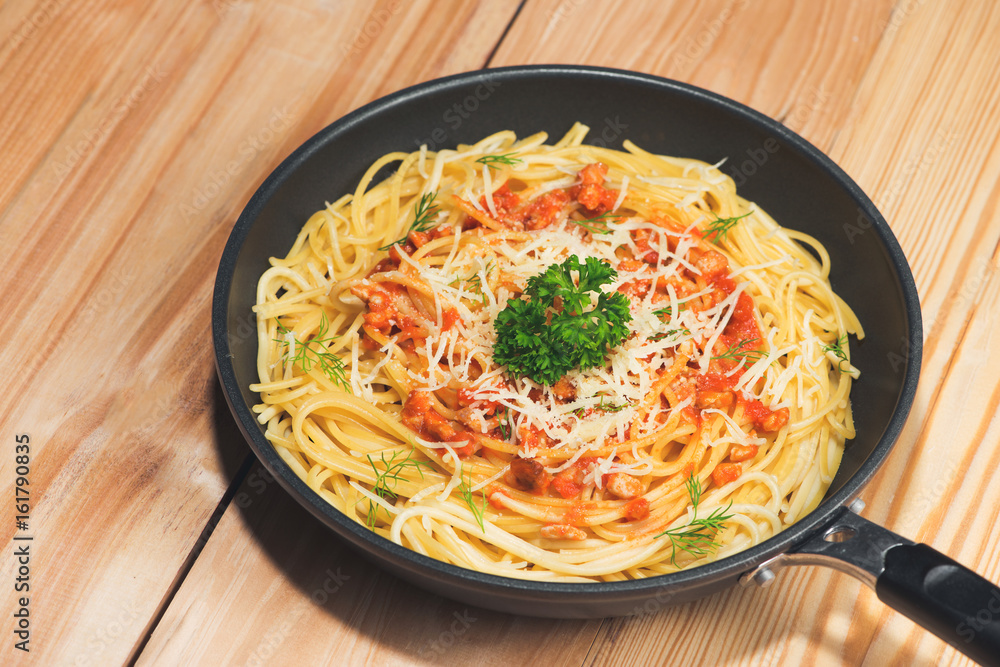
(786, 176)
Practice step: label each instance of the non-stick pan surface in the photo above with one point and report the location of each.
(772, 166)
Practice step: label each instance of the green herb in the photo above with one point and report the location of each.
(423, 217)
(667, 313)
(390, 475)
(476, 283)
(697, 537)
(507, 159)
(590, 224)
(505, 429)
(720, 226)
(604, 407)
(839, 352)
(670, 334)
(313, 352)
(465, 488)
(539, 340)
(737, 353)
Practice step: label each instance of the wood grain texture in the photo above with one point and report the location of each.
(135, 132)
(140, 131)
(274, 584)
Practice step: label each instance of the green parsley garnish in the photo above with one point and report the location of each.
(720, 226)
(387, 478)
(507, 159)
(839, 352)
(539, 340)
(423, 217)
(478, 511)
(697, 536)
(313, 352)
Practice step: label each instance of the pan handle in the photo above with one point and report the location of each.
(950, 600)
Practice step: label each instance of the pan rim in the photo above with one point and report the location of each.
(724, 568)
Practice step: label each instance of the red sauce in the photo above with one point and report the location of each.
(637, 509)
(591, 193)
(726, 472)
(763, 417)
(742, 323)
(448, 318)
(569, 483)
(420, 416)
(542, 211)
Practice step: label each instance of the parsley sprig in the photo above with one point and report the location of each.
(313, 352)
(505, 158)
(389, 476)
(839, 352)
(721, 226)
(697, 536)
(553, 332)
(423, 217)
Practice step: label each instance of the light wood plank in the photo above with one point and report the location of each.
(276, 586)
(797, 62)
(924, 143)
(142, 134)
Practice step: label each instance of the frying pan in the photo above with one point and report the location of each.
(772, 166)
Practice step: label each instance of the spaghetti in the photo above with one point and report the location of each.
(428, 363)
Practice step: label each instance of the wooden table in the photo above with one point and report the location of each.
(133, 134)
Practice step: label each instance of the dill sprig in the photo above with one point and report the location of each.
(683, 331)
(475, 282)
(668, 311)
(737, 353)
(423, 217)
(697, 536)
(478, 511)
(313, 352)
(839, 352)
(506, 159)
(505, 429)
(591, 224)
(387, 478)
(721, 226)
(604, 407)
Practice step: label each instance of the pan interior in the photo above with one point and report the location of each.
(773, 167)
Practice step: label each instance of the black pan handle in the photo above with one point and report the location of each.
(947, 598)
